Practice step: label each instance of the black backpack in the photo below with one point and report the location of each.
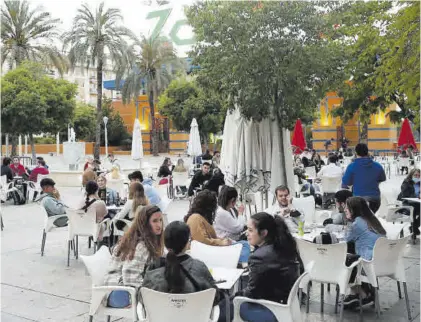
(18, 197)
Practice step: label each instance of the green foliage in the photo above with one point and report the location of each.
(33, 103)
(23, 30)
(45, 140)
(84, 123)
(382, 50)
(184, 100)
(269, 59)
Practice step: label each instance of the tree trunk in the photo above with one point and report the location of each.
(97, 149)
(14, 143)
(364, 133)
(32, 142)
(154, 133)
(205, 141)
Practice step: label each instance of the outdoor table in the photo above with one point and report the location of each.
(413, 199)
(231, 276)
(114, 207)
(310, 235)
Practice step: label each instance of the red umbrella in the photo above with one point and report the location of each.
(406, 138)
(298, 140)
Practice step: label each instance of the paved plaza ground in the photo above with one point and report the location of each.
(35, 288)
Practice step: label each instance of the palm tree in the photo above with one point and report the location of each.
(96, 36)
(153, 62)
(28, 34)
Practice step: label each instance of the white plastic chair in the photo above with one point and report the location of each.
(289, 312)
(387, 261)
(308, 206)
(403, 162)
(250, 200)
(179, 179)
(97, 266)
(192, 307)
(326, 264)
(297, 185)
(216, 256)
(48, 224)
(117, 233)
(83, 223)
(330, 185)
(5, 188)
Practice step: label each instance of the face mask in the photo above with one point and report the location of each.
(416, 180)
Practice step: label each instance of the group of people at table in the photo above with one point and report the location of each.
(153, 256)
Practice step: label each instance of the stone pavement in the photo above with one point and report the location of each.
(35, 288)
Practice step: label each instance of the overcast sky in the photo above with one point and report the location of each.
(134, 13)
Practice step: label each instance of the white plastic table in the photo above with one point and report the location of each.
(231, 276)
(114, 207)
(413, 199)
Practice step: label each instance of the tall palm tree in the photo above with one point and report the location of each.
(28, 34)
(151, 62)
(96, 36)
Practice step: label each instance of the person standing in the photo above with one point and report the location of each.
(364, 175)
(328, 143)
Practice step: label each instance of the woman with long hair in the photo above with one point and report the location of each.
(274, 266)
(410, 188)
(140, 246)
(178, 273)
(200, 219)
(180, 166)
(137, 198)
(165, 170)
(92, 200)
(363, 232)
(227, 224)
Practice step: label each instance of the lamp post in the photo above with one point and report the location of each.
(105, 119)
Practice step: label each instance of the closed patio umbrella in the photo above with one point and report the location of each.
(195, 147)
(298, 139)
(406, 137)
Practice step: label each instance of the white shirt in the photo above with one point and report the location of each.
(227, 225)
(127, 210)
(292, 222)
(330, 170)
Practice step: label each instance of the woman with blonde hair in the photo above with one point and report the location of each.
(114, 174)
(137, 198)
(139, 247)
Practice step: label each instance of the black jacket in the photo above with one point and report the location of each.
(164, 171)
(6, 171)
(271, 275)
(198, 179)
(407, 190)
(155, 277)
(215, 182)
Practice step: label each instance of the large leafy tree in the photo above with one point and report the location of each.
(151, 64)
(33, 103)
(28, 34)
(269, 58)
(382, 52)
(95, 37)
(184, 100)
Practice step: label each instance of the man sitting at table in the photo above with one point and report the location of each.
(40, 169)
(50, 200)
(339, 218)
(331, 170)
(283, 207)
(17, 168)
(200, 178)
(150, 192)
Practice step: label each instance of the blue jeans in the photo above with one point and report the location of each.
(119, 299)
(245, 251)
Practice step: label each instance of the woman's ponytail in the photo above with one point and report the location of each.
(173, 273)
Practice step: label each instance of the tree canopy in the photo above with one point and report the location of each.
(266, 57)
(184, 100)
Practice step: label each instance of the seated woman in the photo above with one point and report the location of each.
(137, 199)
(226, 224)
(363, 233)
(274, 266)
(179, 273)
(318, 162)
(410, 188)
(92, 201)
(180, 168)
(165, 170)
(109, 196)
(200, 220)
(139, 247)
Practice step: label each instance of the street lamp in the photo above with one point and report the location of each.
(105, 119)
